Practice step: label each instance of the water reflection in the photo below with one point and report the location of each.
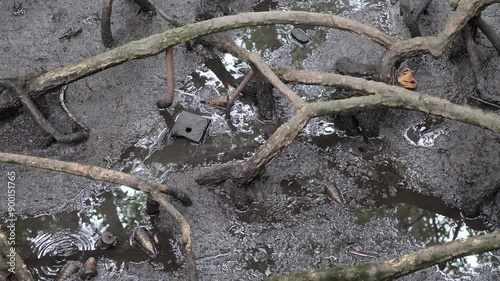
(48, 241)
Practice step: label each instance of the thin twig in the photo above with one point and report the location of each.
(63, 105)
(234, 94)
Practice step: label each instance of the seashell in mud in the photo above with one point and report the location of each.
(70, 268)
(334, 193)
(89, 269)
(143, 238)
(106, 240)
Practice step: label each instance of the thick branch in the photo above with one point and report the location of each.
(435, 45)
(94, 173)
(280, 139)
(386, 95)
(404, 265)
(159, 42)
(192, 273)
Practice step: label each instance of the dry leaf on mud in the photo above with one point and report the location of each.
(406, 79)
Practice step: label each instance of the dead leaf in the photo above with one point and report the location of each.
(406, 79)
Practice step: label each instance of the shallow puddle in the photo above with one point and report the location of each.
(47, 242)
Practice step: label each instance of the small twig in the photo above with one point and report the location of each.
(234, 95)
(63, 105)
(485, 102)
(87, 84)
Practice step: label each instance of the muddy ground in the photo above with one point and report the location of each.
(286, 223)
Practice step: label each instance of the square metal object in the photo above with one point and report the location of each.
(190, 126)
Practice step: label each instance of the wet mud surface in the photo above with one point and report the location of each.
(410, 188)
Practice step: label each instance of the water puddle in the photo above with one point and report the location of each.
(419, 135)
(47, 242)
(260, 259)
(427, 218)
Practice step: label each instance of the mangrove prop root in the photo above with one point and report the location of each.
(21, 272)
(489, 33)
(45, 124)
(435, 45)
(157, 43)
(382, 95)
(234, 95)
(106, 35)
(192, 273)
(145, 5)
(403, 265)
(169, 98)
(94, 173)
(412, 14)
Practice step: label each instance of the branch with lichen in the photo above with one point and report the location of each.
(403, 265)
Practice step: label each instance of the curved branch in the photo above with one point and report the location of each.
(94, 173)
(192, 273)
(386, 95)
(404, 265)
(157, 43)
(435, 45)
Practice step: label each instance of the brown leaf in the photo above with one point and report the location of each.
(406, 79)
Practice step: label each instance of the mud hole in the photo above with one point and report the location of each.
(406, 191)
